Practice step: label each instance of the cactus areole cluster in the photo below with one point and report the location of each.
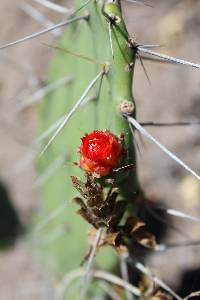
(100, 152)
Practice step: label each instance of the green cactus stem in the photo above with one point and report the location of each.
(120, 77)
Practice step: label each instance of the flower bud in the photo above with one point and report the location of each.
(100, 152)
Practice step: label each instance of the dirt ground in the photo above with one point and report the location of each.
(174, 95)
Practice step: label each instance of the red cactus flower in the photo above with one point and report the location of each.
(101, 152)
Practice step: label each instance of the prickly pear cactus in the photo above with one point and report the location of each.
(108, 65)
(96, 57)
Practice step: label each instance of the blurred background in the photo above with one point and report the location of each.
(173, 95)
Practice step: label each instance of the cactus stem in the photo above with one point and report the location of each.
(114, 20)
(73, 110)
(136, 125)
(120, 79)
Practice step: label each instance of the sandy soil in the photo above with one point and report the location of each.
(173, 95)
